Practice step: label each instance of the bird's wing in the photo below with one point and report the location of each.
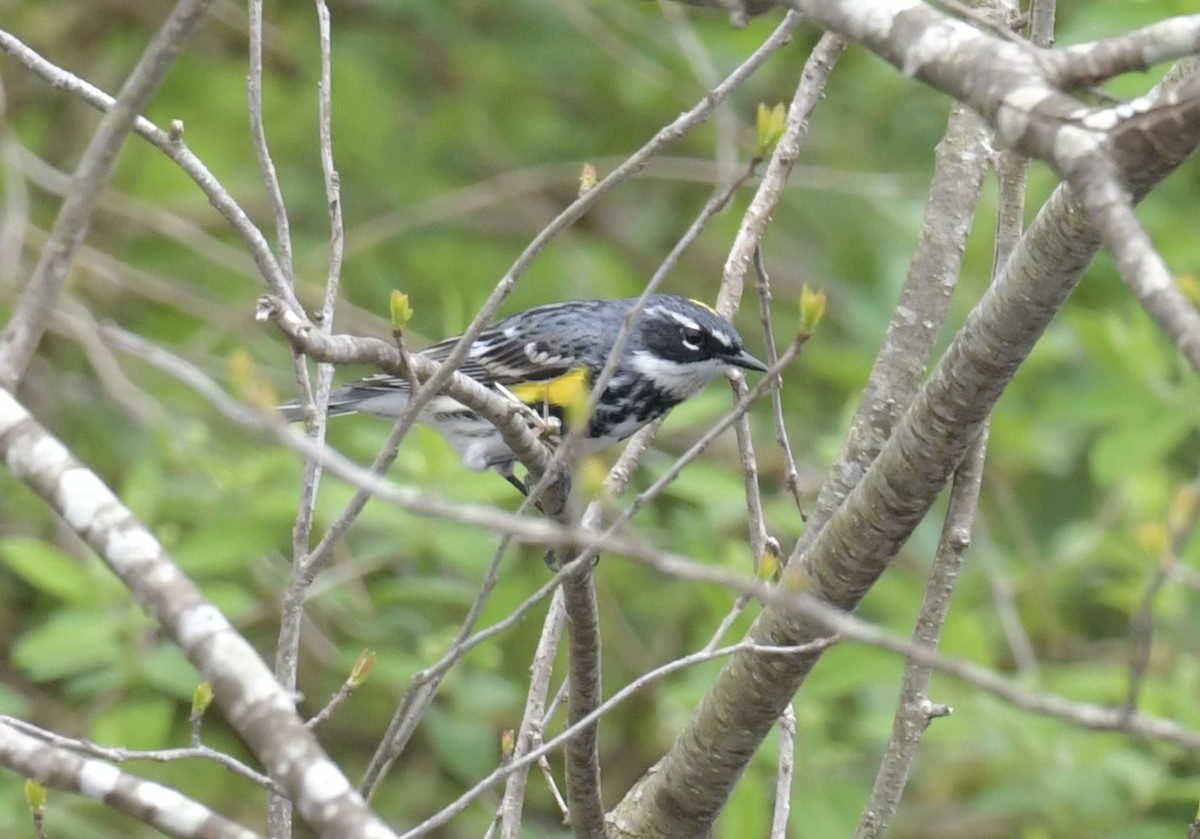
(498, 356)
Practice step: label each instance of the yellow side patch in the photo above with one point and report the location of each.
(568, 393)
(704, 305)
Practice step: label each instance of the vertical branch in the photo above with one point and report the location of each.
(809, 92)
(333, 192)
(747, 249)
(787, 766)
(266, 166)
(15, 220)
(254, 96)
(1041, 22)
(583, 751)
(20, 337)
(1182, 521)
(960, 163)
(302, 530)
(287, 652)
(791, 474)
(914, 710)
(529, 736)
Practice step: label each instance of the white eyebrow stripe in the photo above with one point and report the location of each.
(682, 319)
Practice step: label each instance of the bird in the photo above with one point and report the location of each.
(550, 356)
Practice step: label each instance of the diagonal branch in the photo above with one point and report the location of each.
(24, 331)
(878, 515)
(1018, 89)
(257, 707)
(914, 710)
(627, 169)
(158, 806)
(171, 144)
(961, 160)
(1084, 65)
(511, 418)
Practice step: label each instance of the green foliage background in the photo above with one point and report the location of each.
(459, 131)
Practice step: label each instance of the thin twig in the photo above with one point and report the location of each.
(466, 799)
(530, 734)
(1182, 523)
(170, 144)
(258, 132)
(783, 777)
(31, 314)
(791, 474)
(121, 755)
(914, 710)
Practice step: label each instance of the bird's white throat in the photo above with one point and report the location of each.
(680, 380)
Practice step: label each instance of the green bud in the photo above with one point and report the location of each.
(812, 309)
(771, 124)
(362, 668)
(587, 178)
(769, 565)
(401, 310)
(35, 795)
(202, 697)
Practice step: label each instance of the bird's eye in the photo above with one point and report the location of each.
(692, 338)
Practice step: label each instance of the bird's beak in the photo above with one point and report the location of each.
(746, 361)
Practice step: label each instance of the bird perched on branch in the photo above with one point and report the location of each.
(549, 357)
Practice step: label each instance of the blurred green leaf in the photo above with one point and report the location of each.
(68, 642)
(138, 722)
(49, 569)
(467, 748)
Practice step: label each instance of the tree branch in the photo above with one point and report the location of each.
(849, 554)
(583, 750)
(20, 337)
(261, 711)
(960, 163)
(511, 418)
(171, 144)
(914, 710)
(158, 806)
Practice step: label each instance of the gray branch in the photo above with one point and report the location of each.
(171, 144)
(257, 707)
(878, 515)
(161, 807)
(20, 337)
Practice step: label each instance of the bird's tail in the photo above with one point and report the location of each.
(340, 403)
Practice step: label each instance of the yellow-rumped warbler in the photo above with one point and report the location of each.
(548, 357)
